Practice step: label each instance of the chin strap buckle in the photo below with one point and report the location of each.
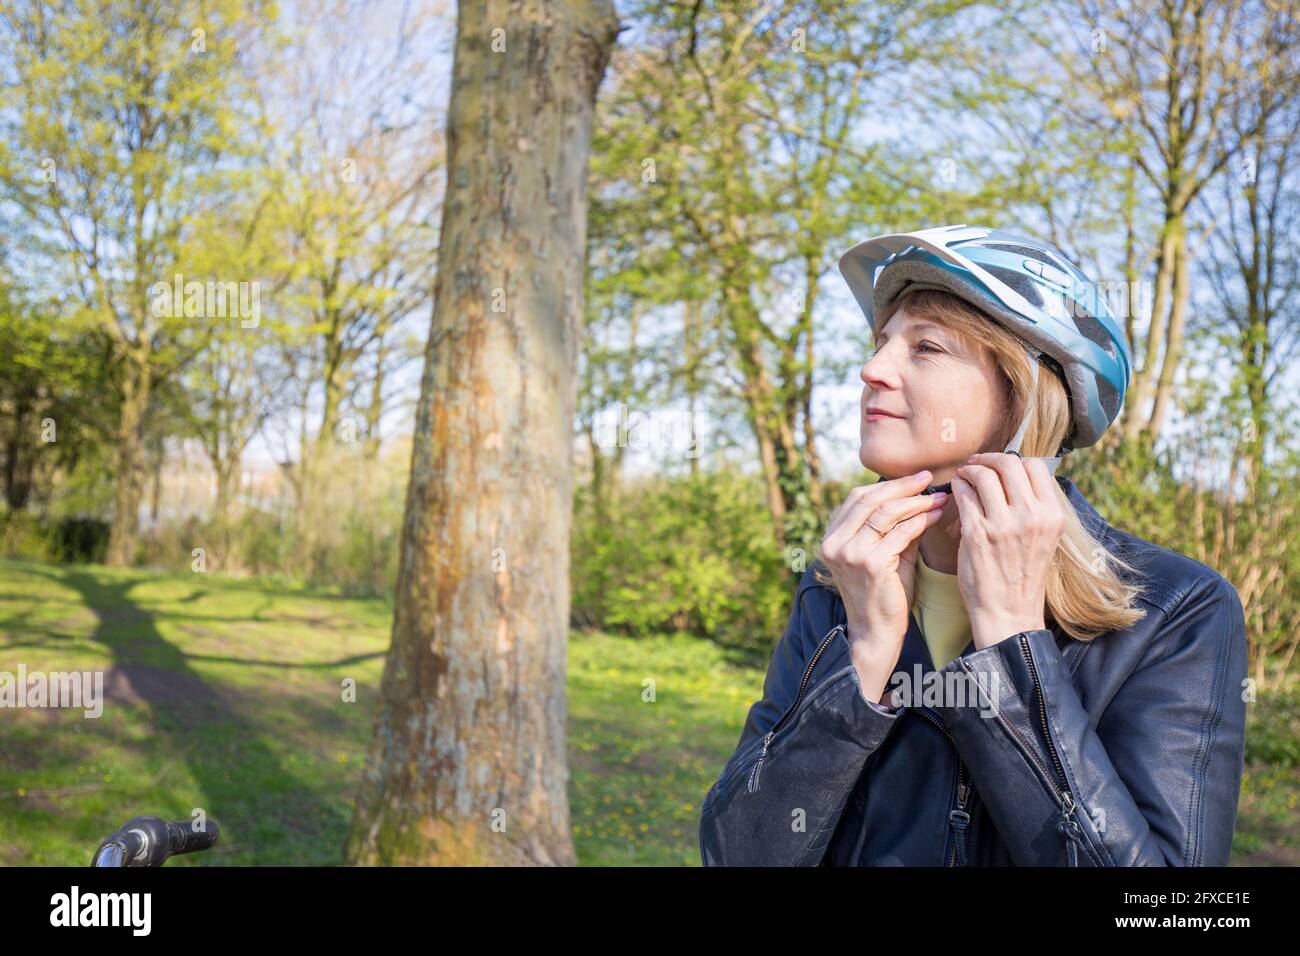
(1051, 463)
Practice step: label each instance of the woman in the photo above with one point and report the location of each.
(996, 676)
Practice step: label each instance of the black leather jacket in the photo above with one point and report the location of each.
(1125, 750)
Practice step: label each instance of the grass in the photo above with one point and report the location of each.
(1268, 821)
(225, 695)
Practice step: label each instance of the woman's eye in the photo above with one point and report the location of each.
(922, 346)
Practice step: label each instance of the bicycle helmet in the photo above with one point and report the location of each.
(1027, 286)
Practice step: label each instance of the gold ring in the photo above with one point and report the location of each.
(875, 529)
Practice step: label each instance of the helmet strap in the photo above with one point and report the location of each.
(1013, 446)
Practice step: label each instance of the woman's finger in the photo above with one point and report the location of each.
(988, 486)
(1011, 470)
(1041, 480)
(892, 512)
(866, 501)
(853, 500)
(969, 510)
(906, 531)
(879, 524)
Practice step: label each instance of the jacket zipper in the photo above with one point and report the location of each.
(803, 686)
(1068, 826)
(958, 818)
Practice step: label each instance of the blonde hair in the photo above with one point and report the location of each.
(1086, 591)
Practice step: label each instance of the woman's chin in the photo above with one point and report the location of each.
(888, 468)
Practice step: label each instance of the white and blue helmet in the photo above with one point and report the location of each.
(1027, 286)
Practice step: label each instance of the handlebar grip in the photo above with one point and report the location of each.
(149, 841)
(183, 838)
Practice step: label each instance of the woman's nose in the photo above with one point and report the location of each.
(876, 368)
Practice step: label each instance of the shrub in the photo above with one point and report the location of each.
(76, 539)
(692, 554)
(81, 540)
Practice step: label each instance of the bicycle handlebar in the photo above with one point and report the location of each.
(149, 841)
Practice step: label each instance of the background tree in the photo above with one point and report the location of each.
(49, 379)
(352, 202)
(468, 762)
(732, 150)
(114, 146)
(1177, 71)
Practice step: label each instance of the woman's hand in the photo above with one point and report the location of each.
(1011, 521)
(875, 575)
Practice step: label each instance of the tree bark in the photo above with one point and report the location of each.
(468, 761)
(759, 402)
(1135, 412)
(130, 463)
(375, 412)
(18, 455)
(691, 327)
(1174, 345)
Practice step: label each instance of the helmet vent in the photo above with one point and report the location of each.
(1021, 283)
(1108, 397)
(1025, 251)
(1058, 306)
(1038, 255)
(1093, 329)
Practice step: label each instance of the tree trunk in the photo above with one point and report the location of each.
(1131, 276)
(376, 410)
(227, 470)
(810, 433)
(1174, 345)
(155, 488)
(759, 401)
(130, 464)
(332, 394)
(18, 456)
(614, 473)
(805, 380)
(599, 484)
(771, 476)
(468, 760)
(1135, 415)
(691, 324)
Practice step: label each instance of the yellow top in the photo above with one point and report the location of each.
(940, 612)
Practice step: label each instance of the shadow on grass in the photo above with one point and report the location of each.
(214, 737)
